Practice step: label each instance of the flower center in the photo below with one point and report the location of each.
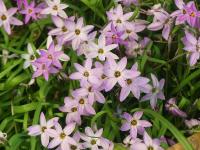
(155, 90)
(192, 14)
(128, 81)
(119, 21)
(43, 67)
(86, 74)
(100, 51)
(3, 17)
(93, 142)
(30, 11)
(73, 147)
(74, 109)
(77, 31)
(114, 36)
(103, 76)
(50, 56)
(184, 11)
(150, 148)
(55, 7)
(90, 89)
(64, 29)
(81, 101)
(62, 135)
(32, 57)
(117, 74)
(134, 122)
(128, 31)
(43, 129)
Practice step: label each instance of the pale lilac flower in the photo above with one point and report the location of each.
(162, 21)
(43, 68)
(187, 12)
(136, 84)
(20, 3)
(93, 139)
(5, 56)
(84, 47)
(62, 137)
(157, 11)
(102, 50)
(6, 17)
(133, 48)
(149, 144)
(84, 105)
(77, 33)
(173, 108)
(72, 109)
(129, 140)
(55, 8)
(86, 74)
(129, 2)
(52, 56)
(91, 91)
(113, 36)
(44, 129)
(117, 73)
(118, 18)
(134, 124)
(30, 11)
(156, 91)
(192, 123)
(61, 24)
(192, 45)
(29, 58)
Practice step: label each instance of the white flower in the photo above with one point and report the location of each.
(29, 58)
(55, 8)
(3, 137)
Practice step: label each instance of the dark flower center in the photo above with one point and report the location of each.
(43, 129)
(114, 36)
(30, 11)
(128, 31)
(74, 109)
(77, 31)
(43, 67)
(128, 81)
(90, 89)
(117, 74)
(73, 147)
(103, 76)
(119, 21)
(86, 74)
(134, 122)
(64, 29)
(150, 148)
(93, 142)
(100, 51)
(3, 17)
(32, 57)
(50, 56)
(184, 11)
(62, 135)
(55, 7)
(155, 90)
(81, 101)
(192, 14)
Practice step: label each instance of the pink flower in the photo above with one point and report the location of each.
(173, 108)
(148, 144)
(44, 129)
(101, 50)
(192, 45)
(117, 17)
(117, 73)
(78, 33)
(136, 85)
(86, 74)
(192, 123)
(62, 137)
(30, 11)
(156, 91)
(55, 8)
(72, 109)
(6, 17)
(91, 91)
(134, 124)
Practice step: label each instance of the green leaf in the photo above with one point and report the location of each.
(26, 108)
